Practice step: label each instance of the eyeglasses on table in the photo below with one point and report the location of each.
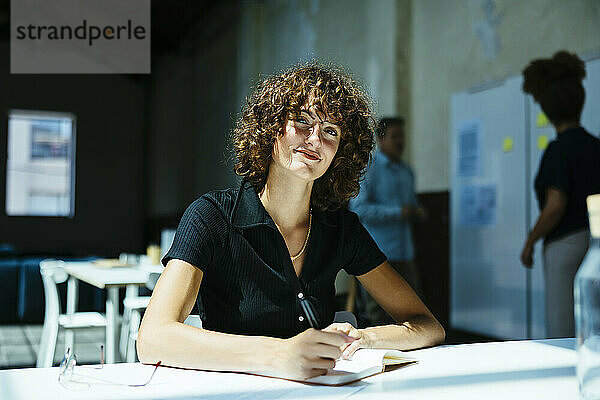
(72, 380)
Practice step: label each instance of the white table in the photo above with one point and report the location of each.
(110, 279)
(501, 370)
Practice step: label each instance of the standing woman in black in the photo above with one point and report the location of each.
(569, 172)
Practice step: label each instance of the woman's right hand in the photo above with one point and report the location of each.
(308, 354)
(527, 254)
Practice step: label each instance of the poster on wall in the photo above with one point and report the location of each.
(469, 148)
(477, 205)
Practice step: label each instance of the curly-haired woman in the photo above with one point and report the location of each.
(567, 174)
(254, 257)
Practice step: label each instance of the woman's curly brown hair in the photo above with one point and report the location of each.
(278, 99)
(556, 84)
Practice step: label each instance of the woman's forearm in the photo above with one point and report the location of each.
(419, 331)
(552, 213)
(176, 344)
(547, 221)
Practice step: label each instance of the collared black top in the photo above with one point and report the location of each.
(571, 164)
(249, 284)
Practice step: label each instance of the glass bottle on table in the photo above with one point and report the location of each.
(587, 309)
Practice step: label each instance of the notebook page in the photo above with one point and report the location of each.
(393, 357)
(364, 363)
(361, 360)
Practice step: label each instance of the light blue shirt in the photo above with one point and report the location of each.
(387, 187)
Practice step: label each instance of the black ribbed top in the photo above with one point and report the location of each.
(249, 285)
(571, 164)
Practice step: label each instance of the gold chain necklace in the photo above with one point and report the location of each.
(305, 240)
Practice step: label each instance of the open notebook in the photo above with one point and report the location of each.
(364, 363)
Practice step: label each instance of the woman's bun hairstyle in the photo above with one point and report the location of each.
(556, 84)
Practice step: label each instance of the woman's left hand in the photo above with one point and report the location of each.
(360, 336)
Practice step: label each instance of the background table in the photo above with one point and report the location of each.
(542, 369)
(110, 279)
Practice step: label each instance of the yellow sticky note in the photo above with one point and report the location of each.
(542, 142)
(507, 144)
(541, 120)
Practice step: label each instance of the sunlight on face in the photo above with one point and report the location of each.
(308, 144)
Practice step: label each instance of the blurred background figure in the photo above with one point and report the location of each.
(387, 205)
(567, 174)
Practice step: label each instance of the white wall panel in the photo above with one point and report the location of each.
(488, 283)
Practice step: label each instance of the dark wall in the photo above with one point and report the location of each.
(193, 102)
(432, 245)
(109, 184)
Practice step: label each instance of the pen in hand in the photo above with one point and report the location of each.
(313, 321)
(311, 316)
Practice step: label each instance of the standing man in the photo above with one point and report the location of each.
(386, 206)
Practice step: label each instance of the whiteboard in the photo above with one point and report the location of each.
(488, 285)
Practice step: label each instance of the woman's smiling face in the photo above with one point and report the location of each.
(308, 144)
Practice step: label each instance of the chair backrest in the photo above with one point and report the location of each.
(152, 279)
(193, 320)
(52, 272)
(345, 316)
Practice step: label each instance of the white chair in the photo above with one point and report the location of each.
(345, 316)
(193, 320)
(53, 272)
(133, 305)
